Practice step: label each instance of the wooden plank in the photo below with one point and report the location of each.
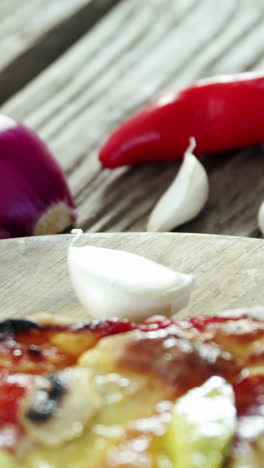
(35, 33)
(78, 101)
(24, 23)
(32, 266)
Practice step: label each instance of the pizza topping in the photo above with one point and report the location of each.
(248, 445)
(202, 425)
(13, 388)
(177, 361)
(35, 351)
(207, 322)
(250, 406)
(127, 372)
(46, 399)
(60, 406)
(114, 283)
(246, 330)
(10, 437)
(12, 327)
(7, 461)
(27, 346)
(256, 313)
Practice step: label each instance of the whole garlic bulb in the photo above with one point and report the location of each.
(34, 195)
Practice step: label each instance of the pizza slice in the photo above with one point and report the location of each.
(113, 394)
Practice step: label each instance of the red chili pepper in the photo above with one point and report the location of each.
(221, 113)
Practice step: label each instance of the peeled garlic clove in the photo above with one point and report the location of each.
(34, 195)
(114, 283)
(184, 199)
(261, 218)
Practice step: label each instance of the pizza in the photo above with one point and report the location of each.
(108, 394)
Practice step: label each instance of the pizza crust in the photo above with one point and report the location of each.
(49, 319)
(256, 312)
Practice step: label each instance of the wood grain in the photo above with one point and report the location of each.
(228, 270)
(35, 33)
(137, 51)
(24, 23)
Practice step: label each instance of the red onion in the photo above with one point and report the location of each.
(34, 195)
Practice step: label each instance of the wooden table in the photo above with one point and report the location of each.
(74, 69)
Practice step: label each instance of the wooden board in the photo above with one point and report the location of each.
(137, 51)
(229, 271)
(34, 33)
(21, 26)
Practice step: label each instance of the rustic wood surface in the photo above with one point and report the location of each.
(36, 32)
(134, 51)
(228, 270)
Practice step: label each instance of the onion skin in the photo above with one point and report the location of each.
(31, 184)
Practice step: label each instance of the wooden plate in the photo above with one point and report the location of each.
(229, 270)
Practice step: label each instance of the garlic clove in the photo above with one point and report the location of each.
(60, 406)
(34, 195)
(261, 218)
(114, 283)
(185, 197)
